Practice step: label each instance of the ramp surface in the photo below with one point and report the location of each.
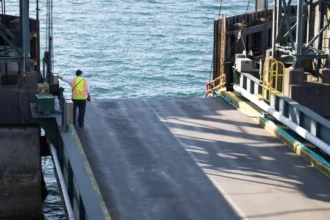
(195, 159)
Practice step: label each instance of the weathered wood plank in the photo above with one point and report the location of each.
(215, 48)
(223, 49)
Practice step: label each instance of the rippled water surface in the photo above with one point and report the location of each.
(140, 48)
(131, 49)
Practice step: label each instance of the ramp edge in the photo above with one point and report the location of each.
(295, 145)
(90, 173)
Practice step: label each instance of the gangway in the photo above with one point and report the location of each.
(191, 158)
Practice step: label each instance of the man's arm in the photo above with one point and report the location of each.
(68, 80)
(88, 90)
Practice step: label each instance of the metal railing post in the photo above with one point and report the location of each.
(68, 112)
(66, 106)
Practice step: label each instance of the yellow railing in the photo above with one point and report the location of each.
(215, 85)
(272, 78)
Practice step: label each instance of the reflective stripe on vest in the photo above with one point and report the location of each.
(80, 88)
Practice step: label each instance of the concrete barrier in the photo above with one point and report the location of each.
(20, 173)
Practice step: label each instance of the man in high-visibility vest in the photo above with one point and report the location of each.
(80, 93)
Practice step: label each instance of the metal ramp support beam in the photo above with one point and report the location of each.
(4, 36)
(25, 31)
(299, 34)
(6, 31)
(300, 50)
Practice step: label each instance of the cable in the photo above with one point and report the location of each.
(49, 35)
(220, 9)
(234, 46)
(244, 45)
(211, 67)
(47, 6)
(246, 12)
(247, 8)
(52, 35)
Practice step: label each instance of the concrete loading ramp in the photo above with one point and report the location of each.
(195, 159)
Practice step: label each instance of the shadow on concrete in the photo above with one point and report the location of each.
(229, 147)
(142, 171)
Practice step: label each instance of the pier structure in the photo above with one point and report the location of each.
(183, 158)
(21, 179)
(249, 150)
(298, 37)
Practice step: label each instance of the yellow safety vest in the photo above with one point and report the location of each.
(79, 88)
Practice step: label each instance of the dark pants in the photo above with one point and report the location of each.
(81, 105)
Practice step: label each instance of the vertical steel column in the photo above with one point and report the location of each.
(25, 33)
(308, 21)
(288, 25)
(50, 64)
(38, 36)
(278, 17)
(274, 28)
(318, 40)
(299, 43)
(50, 43)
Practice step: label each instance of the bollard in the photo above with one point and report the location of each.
(68, 111)
(67, 116)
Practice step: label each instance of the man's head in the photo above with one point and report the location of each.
(79, 73)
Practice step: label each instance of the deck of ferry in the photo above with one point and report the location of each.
(195, 158)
